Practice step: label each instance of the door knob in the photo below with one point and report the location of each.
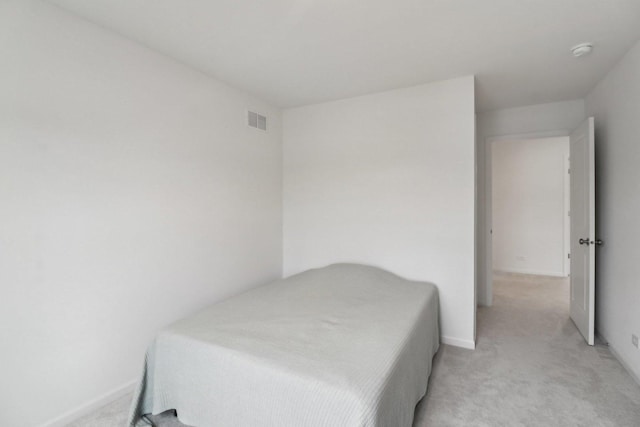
(584, 242)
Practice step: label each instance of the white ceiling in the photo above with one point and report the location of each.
(296, 52)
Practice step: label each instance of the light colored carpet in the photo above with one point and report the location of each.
(531, 367)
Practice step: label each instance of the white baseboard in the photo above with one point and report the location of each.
(90, 406)
(531, 272)
(624, 364)
(457, 342)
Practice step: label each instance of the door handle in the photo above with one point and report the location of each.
(591, 242)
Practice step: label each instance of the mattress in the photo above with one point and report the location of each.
(343, 345)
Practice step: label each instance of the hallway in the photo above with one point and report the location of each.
(531, 367)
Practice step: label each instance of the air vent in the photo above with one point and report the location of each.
(257, 121)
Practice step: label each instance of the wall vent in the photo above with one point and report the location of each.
(257, 121)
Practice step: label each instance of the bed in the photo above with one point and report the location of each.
(343, 345)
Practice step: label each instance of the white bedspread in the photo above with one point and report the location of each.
(344, 345)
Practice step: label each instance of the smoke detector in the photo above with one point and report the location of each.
(582, 49)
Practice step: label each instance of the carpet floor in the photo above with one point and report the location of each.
(531, 367)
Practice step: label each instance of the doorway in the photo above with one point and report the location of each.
(529, 218)
(530, 209)
(580, 224)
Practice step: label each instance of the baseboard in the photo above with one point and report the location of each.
(624, 364)
(531, 272)
(457, 342)
(90, 406)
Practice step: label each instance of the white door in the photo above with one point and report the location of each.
(583, 236)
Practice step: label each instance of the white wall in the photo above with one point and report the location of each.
(529, 205)
(615, 103)
(132, 194)
(553, 119)
(387, 180)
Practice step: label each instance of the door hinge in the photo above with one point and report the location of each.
(569, 256)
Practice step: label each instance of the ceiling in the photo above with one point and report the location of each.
(297, 52)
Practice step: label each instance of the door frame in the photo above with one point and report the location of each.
(566, 224)
(488, 197)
